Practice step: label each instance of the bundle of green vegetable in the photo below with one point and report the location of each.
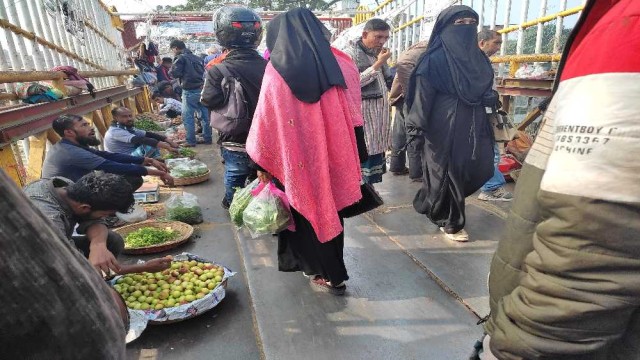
(182, 153)
(184, 208)
(148, 236)
(241, 200)
(265, 214)
(147, 125)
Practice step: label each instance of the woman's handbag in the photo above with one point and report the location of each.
(369, 201)
(503, 128)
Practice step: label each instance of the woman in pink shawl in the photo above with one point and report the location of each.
(303, 134)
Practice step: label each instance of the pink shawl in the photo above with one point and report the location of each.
(311, 148)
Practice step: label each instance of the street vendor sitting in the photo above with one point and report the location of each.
(123, 138)
(72, 157)
(170, 107)
(86, 203)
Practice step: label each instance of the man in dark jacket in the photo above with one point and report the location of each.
(189, 70)
(246, 65)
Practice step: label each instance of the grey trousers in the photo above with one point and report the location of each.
(399, 154)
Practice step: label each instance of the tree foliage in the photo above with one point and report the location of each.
(277, 5)
(529, 43)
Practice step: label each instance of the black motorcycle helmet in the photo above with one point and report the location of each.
(237, 27)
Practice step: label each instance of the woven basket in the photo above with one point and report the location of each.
(185, 231)
(192, 180)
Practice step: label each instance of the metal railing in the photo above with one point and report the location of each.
(39, 35)
(416, 20)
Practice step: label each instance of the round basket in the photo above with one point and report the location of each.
(192, 180)
(185, 231)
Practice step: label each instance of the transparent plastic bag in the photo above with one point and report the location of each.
(268, 212)
(136, 214)
(188, 168)
(241, 199)
(185, 208)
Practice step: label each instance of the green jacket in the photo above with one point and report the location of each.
(565, 279)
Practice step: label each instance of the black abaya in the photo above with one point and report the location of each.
(445, 104)
(301, 250)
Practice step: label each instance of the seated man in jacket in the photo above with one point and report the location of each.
(245, 64)
(162, 70)
(170, 89)
(85, 203)
(123, 138)
(72, 157)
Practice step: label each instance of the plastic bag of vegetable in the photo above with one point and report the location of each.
(241, 199)
(184, 208)
(189, 168)
(268, 212)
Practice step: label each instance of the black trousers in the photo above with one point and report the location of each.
(115, 243)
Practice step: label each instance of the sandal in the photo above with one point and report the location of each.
(460, 236)
(325, 286)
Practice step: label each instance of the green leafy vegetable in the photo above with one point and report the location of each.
(189, 215)
(147, 125)
(265, 214)
(148, 236)
(241, 199)
(182, 152)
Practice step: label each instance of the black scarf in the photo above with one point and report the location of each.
(301, 54)
(453, 63)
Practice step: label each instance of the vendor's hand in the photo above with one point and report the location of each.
(173, 144)
(159, 165)
(264, 176)
(103, 260)
(167, 179)
(159, 264)
(167, 146)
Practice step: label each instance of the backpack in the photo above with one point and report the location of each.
(233, 118)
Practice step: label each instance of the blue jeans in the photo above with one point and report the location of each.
(236, 171)
(191, 105)
(498, 179)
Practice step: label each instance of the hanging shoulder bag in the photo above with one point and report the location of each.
(503, 128)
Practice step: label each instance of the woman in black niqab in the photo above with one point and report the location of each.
(446, 99)
(301, 54)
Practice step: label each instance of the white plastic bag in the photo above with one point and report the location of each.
(137, 214)
(268, 212)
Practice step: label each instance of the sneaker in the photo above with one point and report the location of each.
(499, 194)
(324, 285)
(417, 180)
(460, 236)
(225, 204)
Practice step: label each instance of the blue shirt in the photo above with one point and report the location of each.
(118, 140)
(71, 161)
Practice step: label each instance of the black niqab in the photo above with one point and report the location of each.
(454, 63)
(301, 54)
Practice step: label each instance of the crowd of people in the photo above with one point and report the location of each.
(316, 121)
